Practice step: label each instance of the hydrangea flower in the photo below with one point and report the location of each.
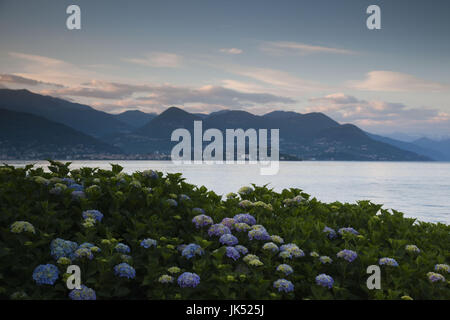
(270, 246)
(245, 190)
(172, 202)
(89, 223)
(135, 184)
(42, 180)
(259, 234)
(412, 248)
(324, 280)
(241, 249)
(64, 261)
(181, 247)
(202, 220)
(348, 255)
(95, 249)
(174, 270)
(255, 263)
(87, 245)
(330, 232)
(228, 239)
(184, 197)
(60, 248)
(245, 218)
(124, 270)
(94, 214)
(293, 250)
(314, 254)
(388, 261)
(45, 274)
(241, 226)
(325, 259)
(435, 277)
(198, 211)
(229, 222)
(58, 189)
(245, 204)
(68, 181)
(165, 278)
(122, 248)
(442, 267)
(150, 174)
(232, 253)
(147, 243)
(218, 230)
(261, 204)
(343, 231)
(22, 226)
(84, 293)
(188, 279)
(191, 250)
(250, 257)
(283, 285)
(285, 268)
(285, 255)
(277, 239)
(126, 258)
(83, 253)
(77, 195)
(76, 187)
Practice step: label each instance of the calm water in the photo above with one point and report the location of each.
(418, 189)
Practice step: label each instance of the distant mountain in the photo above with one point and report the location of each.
(27, 136)
(306, 136)
(77, 116)
(135, 118)
(442, 147)
(412, 147)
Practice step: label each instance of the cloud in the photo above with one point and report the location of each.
(380, 116)
(297, 48)
(14, 79)
(158, 60)
(231, 50)
(396, 82)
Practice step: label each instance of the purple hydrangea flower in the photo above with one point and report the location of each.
(188, 279)
(191, 250)
(245, 218)
(348, 255)
(324, 280)
(202, 221)
(232, 253)
(283, 285)
(218, 230)
(228, 239)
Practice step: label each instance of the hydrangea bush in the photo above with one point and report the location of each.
(147, 235)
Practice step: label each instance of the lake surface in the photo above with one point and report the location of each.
(418, 189)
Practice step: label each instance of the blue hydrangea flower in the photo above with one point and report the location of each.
(324, 280)
(229, 222)
(94, 214)
(147, 243)
(245, 218)
(77, 195)
(122, 248)
(172, 202)
(150, 174)
(442, 268)
(241, 226)
(330, 232)
(283, 285)
(232, 253)
(188, 279)
(270, 246)
(348, 255)
(124, 270)
(87, 245)
(228, 239)
(45, 274)
(325, 259)
(259, 234)
(83, 253)
(292, 249)
(191, 250)
(84, 293)
(60, 248)
(285, 268)
(343, 231)
(202, 220)
(68, 181)
(184, 197)
(198, 211)
(435, 277)
(76, 187)
(242, 250)
(388, 261)
(218, 230)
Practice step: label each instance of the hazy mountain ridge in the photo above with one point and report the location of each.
(312, 136)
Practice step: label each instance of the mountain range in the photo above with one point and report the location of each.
(34, 125)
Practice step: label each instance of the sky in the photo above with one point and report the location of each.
(252, 55)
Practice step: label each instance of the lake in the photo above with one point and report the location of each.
(418, 189)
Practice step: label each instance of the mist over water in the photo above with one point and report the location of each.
(418, 189)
